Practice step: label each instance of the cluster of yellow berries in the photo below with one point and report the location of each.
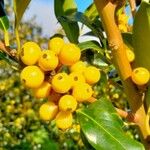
(123, 22)
(63, 90)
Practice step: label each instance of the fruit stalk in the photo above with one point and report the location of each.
(106, 11)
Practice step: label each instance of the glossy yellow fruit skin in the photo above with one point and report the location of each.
(67, 103)
(69, 54)
(79, 66)
(140, 76)
(43, 91)
(48, 111)
(30, 53)
(82, 92)
(130, 55)
(64, 120)
(48, 60)
(76, 77)
(92, 75)
(61, 83)
(32, 76)
(55, 44)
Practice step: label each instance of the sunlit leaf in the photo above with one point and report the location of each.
(102, 127)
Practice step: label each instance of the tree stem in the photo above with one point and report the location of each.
(107, 12)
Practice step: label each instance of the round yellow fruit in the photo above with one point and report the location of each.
(64, 120)
(43, 91)
(55, 44)
(32, 76)
(48, 60)
(30, 53)
(92, 75)
(130, 55)
(61, 83)
(69, 54)
(79, 66)
(76, 77)
(67, 103)
(48, 111)
(140, 76)
(82, 92)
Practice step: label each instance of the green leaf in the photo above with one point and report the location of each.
(67, 7)
(80, 17)
(4, 23)
(91, 12)
(127, 38)
(141, 36)
(19, 9)
(102, 127)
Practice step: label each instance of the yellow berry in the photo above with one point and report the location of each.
(69, 54)
(130, 55)
(76, 77)
(32, 76)
(30, 53)
(48, 60)
(82, 91)
(67, 102)
(140, 76)
(64, 119)
(55, 44)
(61, 83)
(92, 75)
(48, 111)
(43, 91)
(79, 66)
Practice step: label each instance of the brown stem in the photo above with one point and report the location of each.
(106, 11)
(133, 7)
(7, 50)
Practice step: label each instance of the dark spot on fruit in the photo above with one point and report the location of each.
(23, 80)
(136, 71)
(44, 55)
(88, 90)
(60, 77)
(75, 78)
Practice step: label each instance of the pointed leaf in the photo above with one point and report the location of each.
(4, 22)
(141, 36)
(102, 127)
(68, 7)
(19, 9)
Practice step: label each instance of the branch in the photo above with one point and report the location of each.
(7, 50)
(106, 11)
(133, 7)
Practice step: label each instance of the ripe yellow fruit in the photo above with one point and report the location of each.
(140, 76)
(30, 53)
(122, 28)
(67, 103)
(64, 120)
(48, 60)
(122, 19)
(43, 91)
(61, 83)
(82, 91)
(69, 54)
(32, 76)
(79, 66)
(55, 44)
(130, 55)
(76, 77)
(92, 75)
(48, 111)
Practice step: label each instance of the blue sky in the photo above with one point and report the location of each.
(44, 12)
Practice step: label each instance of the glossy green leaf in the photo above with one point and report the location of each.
(4, 23)
(67, 7)
(80, 17)
(102, 127)
(91, 12)
(141, 36)
(19, 9)
(127, 38)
